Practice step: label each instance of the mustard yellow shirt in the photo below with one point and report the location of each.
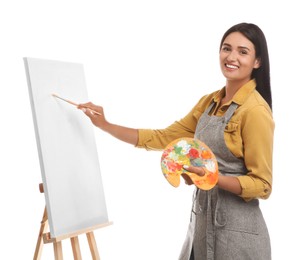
(248, 135)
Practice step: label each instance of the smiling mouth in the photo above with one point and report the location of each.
(231, 66)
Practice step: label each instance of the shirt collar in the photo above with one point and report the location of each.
(240, 96)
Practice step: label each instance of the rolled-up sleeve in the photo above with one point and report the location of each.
(257, 133)
(158, 139)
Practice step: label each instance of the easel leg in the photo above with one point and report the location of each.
(58, 250)
(93, 246)
(57, 245)
(76, 248)
(39, 246)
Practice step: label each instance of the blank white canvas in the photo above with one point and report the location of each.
(67, 150)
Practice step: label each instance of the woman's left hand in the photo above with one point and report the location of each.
(193, 169)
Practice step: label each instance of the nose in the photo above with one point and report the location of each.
(232, 56)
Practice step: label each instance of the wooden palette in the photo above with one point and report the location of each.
(189, 151)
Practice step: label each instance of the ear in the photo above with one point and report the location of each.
(257, 63)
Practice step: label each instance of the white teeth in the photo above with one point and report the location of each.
(231, 66)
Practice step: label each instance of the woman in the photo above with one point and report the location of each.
(236, 123)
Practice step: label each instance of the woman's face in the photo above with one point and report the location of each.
(238, 58)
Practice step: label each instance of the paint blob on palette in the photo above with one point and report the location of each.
(189, 151)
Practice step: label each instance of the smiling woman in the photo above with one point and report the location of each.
(226, 221)
(237, 59)
(167, 53)
(241, 59)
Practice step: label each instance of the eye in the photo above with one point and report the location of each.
(226, 48)
(243, 52)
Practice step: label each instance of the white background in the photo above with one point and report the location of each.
(147, 63)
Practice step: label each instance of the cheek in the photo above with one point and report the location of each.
(247, 63)
(221, 58)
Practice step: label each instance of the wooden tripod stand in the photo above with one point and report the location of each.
(44, 238)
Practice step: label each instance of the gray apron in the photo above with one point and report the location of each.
(223, 226)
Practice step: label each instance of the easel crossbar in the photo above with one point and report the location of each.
(47, 237)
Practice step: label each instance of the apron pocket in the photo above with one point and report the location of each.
(234, 214)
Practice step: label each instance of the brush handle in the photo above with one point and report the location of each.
(75, 104)
(66, 100)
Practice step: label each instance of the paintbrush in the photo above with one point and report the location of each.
(75, 104)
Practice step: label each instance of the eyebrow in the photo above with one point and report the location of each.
(240, 47)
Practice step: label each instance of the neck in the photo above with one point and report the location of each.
(231, 88)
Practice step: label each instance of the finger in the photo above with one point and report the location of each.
(87, 112)
(195, 169)
(87, 105)
(93, 112)
(187, 179)
(82, 105)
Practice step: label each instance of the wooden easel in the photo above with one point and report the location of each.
(44, 238)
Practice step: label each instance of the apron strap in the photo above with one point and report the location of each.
(230, 111)
(207, 111)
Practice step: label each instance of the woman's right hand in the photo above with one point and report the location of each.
(95, 113)
(97, 116)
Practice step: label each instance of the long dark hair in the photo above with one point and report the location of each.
(262, 74)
